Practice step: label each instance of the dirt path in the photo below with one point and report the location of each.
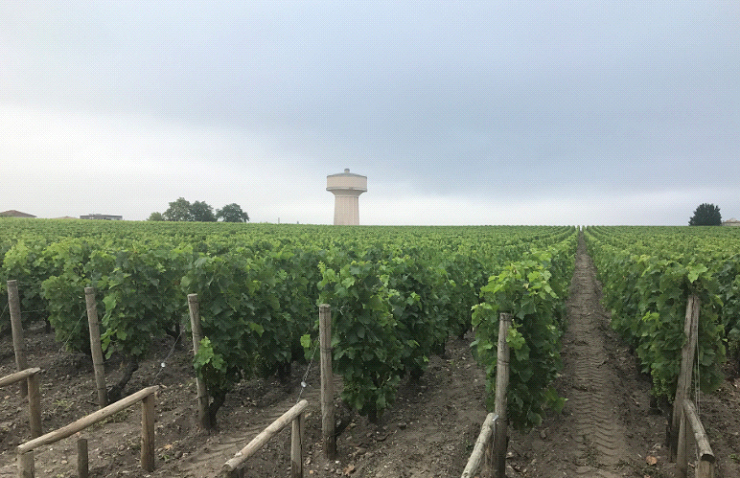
(600, 433)
(606, 429)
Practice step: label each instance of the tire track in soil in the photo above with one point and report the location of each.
(607, 427)
(600, 434)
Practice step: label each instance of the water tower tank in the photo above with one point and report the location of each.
(346, 188)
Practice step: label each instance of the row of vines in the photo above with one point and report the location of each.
(397, 294)
(648, 273)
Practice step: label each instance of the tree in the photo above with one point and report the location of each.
(156, 216)
(178, 211)
(200, 211)
(232, 213)
(706, 215)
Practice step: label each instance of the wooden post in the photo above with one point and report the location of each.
(687, 365)
(705, 466)
(489, 452)
(204, 415)
(26, 465)
(502, 383)
(18, 376)
(705, 469)
(83, 470)
(34, 405)
(25, 450)
(682, 456)
(86, 421)
(19, 345)
(95, 347)
(34, 396)
(327, 383)
(147, 433)
(259, 441)
(481, 445)
(296, 448)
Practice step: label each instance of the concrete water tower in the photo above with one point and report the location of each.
(346, 188)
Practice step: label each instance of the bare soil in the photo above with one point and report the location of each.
(608, 428)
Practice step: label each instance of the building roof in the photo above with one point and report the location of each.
(346, 173)
(732, 221)
(108, 217)
(14, 213)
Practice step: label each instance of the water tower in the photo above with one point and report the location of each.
(346, 188)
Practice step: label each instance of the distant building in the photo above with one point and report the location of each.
(13, 213)
(731, 222)
(346, 188)
(102, 217)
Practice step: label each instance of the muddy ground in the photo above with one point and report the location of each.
(607, 428)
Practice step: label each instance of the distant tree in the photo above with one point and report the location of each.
(706, 215)
(156, 216)
(202, 212)
(178, 211)
(232, 213)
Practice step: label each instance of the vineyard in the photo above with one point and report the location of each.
(413, 308)
(648, 278)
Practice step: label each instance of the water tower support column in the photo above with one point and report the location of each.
(346, 188)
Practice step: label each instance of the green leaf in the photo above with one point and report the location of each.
(306, 341)
(695, 271)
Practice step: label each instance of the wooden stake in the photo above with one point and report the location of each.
(682, 456)
(25, 450)
(86, 421)
(83, 470)
(19, 344)
(34, 405)
(687, 366)
(481, 444)
(147, 433)
(705, 467)
(95, 346)
(296, 447)
(260, 440)
(18, 376)
(502, 383)
(29, 375)
(327, 383)
(204, 415)
(26, 465)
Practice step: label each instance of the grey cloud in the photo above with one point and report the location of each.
(503, 99)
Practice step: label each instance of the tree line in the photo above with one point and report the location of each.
(200, 211)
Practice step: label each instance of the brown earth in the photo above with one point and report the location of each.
(607, 428)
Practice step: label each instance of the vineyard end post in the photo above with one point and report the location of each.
(203, 412)
(682, 459)
(296, 447)
(19, 344)
(687, 365)
(502, 383)
(83, 470)
(147, 433)
(26, 467)
(34, 405)
(327, 382)
(95, 346)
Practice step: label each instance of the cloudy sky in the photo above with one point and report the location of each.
(491, 112)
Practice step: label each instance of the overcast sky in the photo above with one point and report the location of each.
(492, 112)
